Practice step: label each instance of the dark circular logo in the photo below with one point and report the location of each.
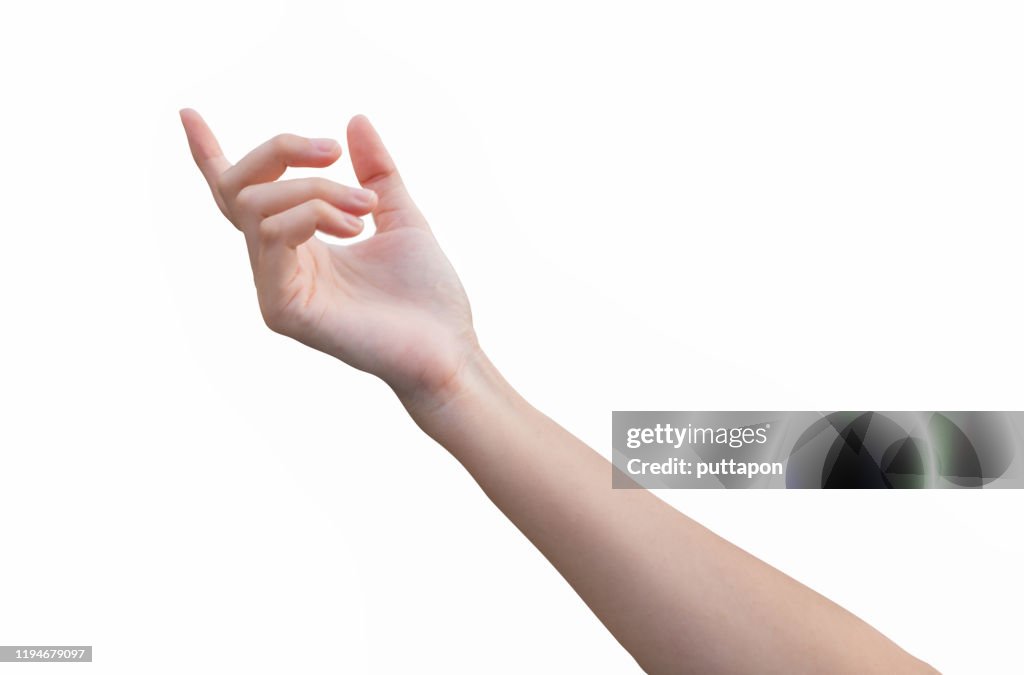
(872, 450)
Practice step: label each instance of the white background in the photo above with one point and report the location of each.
(729, 205)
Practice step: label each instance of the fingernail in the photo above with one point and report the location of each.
(355, 222)
(325, 145)
(364, 197)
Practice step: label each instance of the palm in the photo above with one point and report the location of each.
(391, 305)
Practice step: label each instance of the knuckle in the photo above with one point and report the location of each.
(283, 143)
(269, 229)
(320, 208)
(321, 187)
(244, 199)
(222, 183)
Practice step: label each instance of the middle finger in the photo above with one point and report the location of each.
(267, 199)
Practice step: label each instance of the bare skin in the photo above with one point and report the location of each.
(679, 598)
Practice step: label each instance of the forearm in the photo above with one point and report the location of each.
(678, 597)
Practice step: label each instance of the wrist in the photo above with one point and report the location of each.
(446, 406)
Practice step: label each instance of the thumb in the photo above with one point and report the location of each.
(377, 171)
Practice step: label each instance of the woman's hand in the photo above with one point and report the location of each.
(390, 305)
